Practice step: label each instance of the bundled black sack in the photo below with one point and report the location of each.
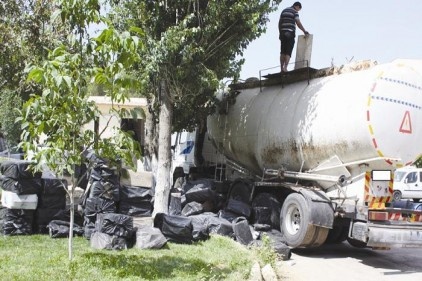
(89, 228)
(261, 215)
(96, 206)
(105, 189)
(239, 207)
(175, 204)
(115, 224)
(200, 184)
(18, 222)
(200, 230)
(102, 172)
(44, 216)
(51, 201)
(270, 201)
(54, 187)
(61, 229)
(103, 241)
(176, 229)
(136, 209)
(242, 231)
(200, 194)
(22, 186)
(18, 169)
(192, 208)
(135, 193)
(220, 226)
(148, 237)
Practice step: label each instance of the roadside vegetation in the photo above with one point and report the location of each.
(39, 257)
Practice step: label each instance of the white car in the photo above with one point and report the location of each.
(408, 183)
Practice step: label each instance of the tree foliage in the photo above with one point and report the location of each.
(194, 45)
(25, 37)
(55, 117)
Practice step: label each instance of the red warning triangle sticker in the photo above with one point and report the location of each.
(406, 124)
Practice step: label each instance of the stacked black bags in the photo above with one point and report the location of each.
(103, 194)
(113, 232)
(51, 203)
(19, 196)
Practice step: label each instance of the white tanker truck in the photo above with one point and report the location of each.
(326, 142)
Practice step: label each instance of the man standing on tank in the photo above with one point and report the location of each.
(289, 18)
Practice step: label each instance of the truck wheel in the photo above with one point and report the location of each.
(294, 222)
(396, 195)
(241, 190)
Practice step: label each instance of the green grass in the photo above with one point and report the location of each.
(39, 257)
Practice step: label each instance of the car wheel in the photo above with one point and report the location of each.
(396, 195)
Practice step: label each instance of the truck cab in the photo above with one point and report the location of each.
(408, 183)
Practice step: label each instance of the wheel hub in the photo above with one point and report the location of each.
(293, 220)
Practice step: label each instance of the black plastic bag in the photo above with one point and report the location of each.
(105, 189)
(18, 169)
(60, 229)
(44, 216)
(270, 201)
(54, 187)
(239, 207)
(220, 226)
(52, 201)
(261, 215)
(202, 183)
(200, 230)
(175, 204)
(103, 241)
(242, 231)
(22, 186)
(115, 224)
(176, 229)
(136, 209)
(148, 237)
(18, 222)
(192, 208)
(102, 172)
(96, 206)
(135, 193)
(199, 194)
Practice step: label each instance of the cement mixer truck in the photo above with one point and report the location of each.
(326, 143)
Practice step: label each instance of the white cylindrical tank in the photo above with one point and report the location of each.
(355, 116)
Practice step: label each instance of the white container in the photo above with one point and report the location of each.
(355, 116)
(14, 201)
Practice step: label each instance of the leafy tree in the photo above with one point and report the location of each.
(25, 35)
(418, 162)
(56, 116)
(190, 47)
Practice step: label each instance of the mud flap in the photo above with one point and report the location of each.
(320, 206)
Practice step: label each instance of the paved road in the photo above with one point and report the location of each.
(344, 262)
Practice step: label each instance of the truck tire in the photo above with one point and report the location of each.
(396, 195)
(295, 224)
(241, 190)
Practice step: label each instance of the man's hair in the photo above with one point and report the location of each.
(297, 4)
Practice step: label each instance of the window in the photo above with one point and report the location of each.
(411, 177)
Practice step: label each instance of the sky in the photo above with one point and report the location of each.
(344, 31)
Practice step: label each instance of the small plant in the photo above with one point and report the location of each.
(265, 252)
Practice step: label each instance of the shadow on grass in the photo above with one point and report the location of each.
(126, 266)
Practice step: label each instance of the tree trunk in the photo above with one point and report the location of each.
(72, 217)
(150, 157)
(162, 188)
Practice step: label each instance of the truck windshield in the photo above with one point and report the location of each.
(398, 176)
